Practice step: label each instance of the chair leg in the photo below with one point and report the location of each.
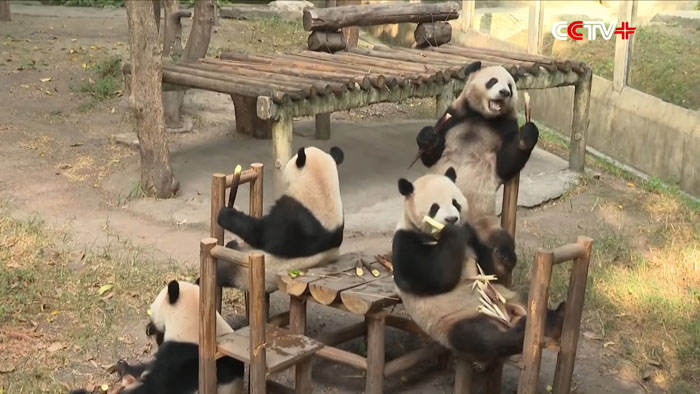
(302, 377)
(464, 373)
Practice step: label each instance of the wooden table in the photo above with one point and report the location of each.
(337, 285)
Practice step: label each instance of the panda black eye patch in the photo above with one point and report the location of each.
(491, 82)
(433, 210)
(456, 204)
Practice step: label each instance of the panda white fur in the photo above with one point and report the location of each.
(303, 229)
(433, 277)
(175, 369)
(479, 137)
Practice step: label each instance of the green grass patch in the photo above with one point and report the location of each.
(106, 80)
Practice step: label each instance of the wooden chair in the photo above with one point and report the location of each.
(265, 348)
(220, 183)
(580, 253)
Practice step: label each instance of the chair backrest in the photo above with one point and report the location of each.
(221, 182)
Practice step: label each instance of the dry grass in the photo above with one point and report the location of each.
(643, 299)
(56, 330)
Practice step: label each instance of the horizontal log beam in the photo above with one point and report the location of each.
(342, 356)
(402, 363)
(334, 18)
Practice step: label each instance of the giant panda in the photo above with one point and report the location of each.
(479, 136)
(432, 276)
(304, 227)
(174, 321)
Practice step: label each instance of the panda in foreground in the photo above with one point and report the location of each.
(433, 277)
(304, 227)
(479, 136)
(175, 369)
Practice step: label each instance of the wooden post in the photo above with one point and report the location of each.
(572, 320)
(509, 212)
(623, 47)
(579, 127)
(281, 150)
(256, 284)
(444, 99)
(464, 373)
(247, 121)
(323, 126)
(535, 323)
(5, 11)
(256, 191)
(352, 33)
(375, 353)
(207, 317)
(535, 33)
(218, 196)
(468, 11)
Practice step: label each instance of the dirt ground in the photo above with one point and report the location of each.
(57, 147)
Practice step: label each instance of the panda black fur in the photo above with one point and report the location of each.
(479, 136)
(175, 369)
(433, 277)
(304, 228)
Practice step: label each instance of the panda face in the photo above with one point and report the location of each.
(435, 196)
(491, 91)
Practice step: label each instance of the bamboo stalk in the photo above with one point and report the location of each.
(234, 186)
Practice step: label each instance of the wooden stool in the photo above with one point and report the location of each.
(265, 348)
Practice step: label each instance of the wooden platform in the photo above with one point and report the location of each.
(270, 90)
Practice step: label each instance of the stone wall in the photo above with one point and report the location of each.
(653, 136)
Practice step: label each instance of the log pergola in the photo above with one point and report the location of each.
(270, 90)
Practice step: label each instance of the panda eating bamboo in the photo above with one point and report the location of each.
(436, 278)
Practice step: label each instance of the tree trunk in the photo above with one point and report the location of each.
(197, 46)
(5, 11)
(172, 50)
(145, 100)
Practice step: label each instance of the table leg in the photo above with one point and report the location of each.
(375, 353)
(297, 325)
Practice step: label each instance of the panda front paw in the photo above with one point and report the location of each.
(226, 217)
(529, 135)
(427, 137)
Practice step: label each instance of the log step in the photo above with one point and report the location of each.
(283, 349)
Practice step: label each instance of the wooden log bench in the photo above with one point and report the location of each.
(269, 91)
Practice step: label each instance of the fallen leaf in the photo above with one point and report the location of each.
(74, 39)
(65, 166)
(73, 145)
(112, 111)
(25, 86)
(54, 347)
(46, 79)
(606, 344)
(104, 289)
(591, 335)
(630, 184)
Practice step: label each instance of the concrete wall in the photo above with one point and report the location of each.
(653, 136)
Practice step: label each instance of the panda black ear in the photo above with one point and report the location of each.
(405, 187)
(452, 174)
(337, 155)
(472, 67)
(173, 291)
(301, 158)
